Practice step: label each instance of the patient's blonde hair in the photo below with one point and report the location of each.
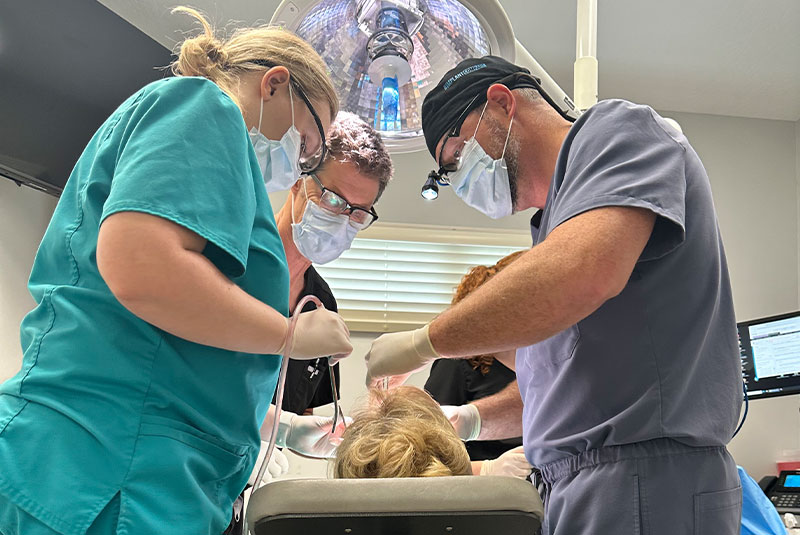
(224, 61)
(401, 433)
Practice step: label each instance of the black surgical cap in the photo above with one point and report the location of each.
(459, 86)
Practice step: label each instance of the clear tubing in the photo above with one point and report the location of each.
(273, 435)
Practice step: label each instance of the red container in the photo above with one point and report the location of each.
(788, 465)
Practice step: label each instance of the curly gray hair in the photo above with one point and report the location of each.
(353, 140)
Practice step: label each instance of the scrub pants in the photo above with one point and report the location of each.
(658, 487)
(15, 521)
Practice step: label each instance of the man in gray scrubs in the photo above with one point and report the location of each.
(629, 368)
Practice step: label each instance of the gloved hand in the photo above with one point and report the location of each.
(512, 463)
(398, 355)
(308, 435)
(465, 419)
(319, 333)
(277, 466)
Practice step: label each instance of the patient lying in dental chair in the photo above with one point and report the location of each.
(400, 433)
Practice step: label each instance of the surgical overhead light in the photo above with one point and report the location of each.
(385, 55)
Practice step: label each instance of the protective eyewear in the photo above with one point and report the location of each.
(334, 203)
(452, 165)
(308, 162)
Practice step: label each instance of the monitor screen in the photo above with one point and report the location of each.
(792, 481)
(770, 351)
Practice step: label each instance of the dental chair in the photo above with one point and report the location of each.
(460, 505)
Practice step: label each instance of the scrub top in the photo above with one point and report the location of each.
(107, 404)
(661, 359)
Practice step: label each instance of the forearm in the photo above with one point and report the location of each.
(532, 299)
(156, 269)
(582, 263)
(190, 298)
(501, 414)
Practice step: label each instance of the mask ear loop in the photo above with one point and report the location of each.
(291, 101)
(508, 135)
(475, 133)
(477, 126)
(305, 189)
(260, 115)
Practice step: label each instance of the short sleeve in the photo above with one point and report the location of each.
(184, 156)
(623, 156)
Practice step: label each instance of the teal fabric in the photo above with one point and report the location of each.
(759, 516)
(15, 521)
(108, 404)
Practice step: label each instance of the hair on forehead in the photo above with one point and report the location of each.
(351, 140)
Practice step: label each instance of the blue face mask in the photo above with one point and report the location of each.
(482, 182)
(320, 235)
(279, 160)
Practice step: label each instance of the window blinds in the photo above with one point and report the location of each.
(399, 277)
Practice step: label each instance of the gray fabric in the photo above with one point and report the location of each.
(659, 487)
(660, 359)
(398, 495)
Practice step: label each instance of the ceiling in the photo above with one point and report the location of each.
(722, 57)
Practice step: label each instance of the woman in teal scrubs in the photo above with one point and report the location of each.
(162, 295)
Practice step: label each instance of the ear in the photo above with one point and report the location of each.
(501, 97)
(273, 79)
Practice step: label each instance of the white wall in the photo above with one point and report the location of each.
(751, 164)
(24, 214)
(797, 172)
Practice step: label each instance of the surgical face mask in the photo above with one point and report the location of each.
(320, 235)
(279, 160)
(482, 182)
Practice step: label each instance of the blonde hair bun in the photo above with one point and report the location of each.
(225, 61)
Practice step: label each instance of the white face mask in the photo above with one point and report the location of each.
(482, 182)
(279, 160)
(320, 235)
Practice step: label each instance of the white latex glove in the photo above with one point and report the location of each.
(398, 355)
(308, 435)
(277, 466)
(319, 333)
(465, 419)
(512, 463)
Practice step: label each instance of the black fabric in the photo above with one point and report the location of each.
(456, 382)
(308, 381)
(467, 83)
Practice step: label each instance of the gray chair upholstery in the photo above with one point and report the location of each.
(461, 505)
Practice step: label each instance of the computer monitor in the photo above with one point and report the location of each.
(770, 351)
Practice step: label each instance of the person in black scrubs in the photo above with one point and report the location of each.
(317, 223)
(456, 383)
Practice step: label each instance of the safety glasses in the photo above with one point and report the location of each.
(334, 203)
(452, 166)
(308, 162)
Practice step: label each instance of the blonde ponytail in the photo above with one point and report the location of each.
(224, 61)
